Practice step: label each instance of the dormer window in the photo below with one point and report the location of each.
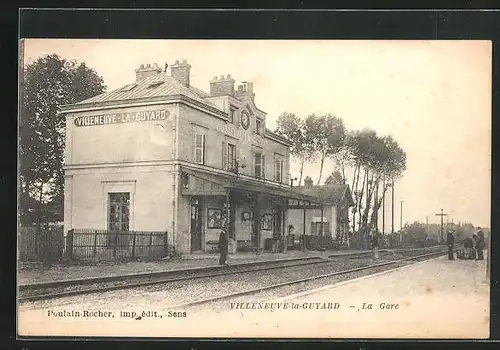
(232, 114)
(155, 83)
(258, 127)
(128, 87)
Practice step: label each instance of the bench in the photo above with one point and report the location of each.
(214, 245)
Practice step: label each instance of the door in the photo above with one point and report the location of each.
(118, 219)
(277, 222)
(196, 224)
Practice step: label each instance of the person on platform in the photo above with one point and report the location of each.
(480, 245)
(450, 241)
(469, 249)
(474, 245)
(223, 247)
(375, 245)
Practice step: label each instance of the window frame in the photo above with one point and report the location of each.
(201, 148)
(258, 126)
(231, 161)
(278, 159)
(259, 175)
(232, 114)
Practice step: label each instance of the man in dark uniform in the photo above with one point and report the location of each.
(480, 245)
(451, 242)
(223, 247)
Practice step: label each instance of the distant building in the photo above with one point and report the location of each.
(329, 216)
(161, 155)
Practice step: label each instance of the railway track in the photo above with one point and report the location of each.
(303, 280)
(60, 289)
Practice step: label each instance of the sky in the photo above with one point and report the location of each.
(433, 97)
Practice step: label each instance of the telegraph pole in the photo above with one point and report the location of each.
(376, 201)
(392, 213)
(441, 238)
(427, 225)
(383, 208)
(401, 218)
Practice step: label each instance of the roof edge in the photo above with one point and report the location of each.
(142, 101)
(277, 137)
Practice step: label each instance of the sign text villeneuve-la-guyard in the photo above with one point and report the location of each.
(241, 134)
(119, 118)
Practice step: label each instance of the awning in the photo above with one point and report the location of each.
(264, 188)
(223, 182)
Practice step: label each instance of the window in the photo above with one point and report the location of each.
(232, 113)
(278, 168)
(199, 148)
(228, 156)
(258, 127)
(185, 181)
(214, 218)
(231, 157)
(316, 229)
(258, 160)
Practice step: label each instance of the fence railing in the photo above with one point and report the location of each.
(109, 245)
(40, 243)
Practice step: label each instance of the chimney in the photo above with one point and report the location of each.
(144, 72)
(308, 182)
(180, 71)
(222, 86)
(246, 89)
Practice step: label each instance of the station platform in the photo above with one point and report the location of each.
(57, 272)
(434, 299)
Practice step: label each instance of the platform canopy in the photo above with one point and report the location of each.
(204, 183)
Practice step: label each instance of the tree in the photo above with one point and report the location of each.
(335, 178)
(46, 84)
(326, 134)
(376, 161)
(291, 127)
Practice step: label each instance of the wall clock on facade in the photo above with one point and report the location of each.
(245, 120)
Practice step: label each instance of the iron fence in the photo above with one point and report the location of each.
(109, 245)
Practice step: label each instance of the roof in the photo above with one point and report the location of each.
(233, 182)
(332, 194)
(165, 86)
(262, 187)
(279, 137)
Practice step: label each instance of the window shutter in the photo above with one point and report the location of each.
(281, 170)
(253, 164)
(224, 155)
(204, 150)
(193, 148)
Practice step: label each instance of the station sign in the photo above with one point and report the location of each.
(120, 118)
(244, 136)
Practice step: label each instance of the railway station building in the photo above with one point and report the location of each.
(161, 155)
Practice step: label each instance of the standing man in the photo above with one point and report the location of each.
(451, 242)
(480, 244)
(223, 247)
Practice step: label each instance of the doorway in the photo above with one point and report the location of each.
(196, 224)
(118, 218)
(277, 223)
